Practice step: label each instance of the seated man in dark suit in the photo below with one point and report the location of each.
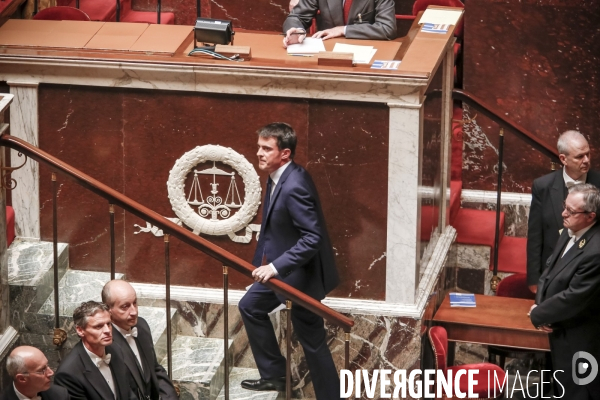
(132, 335)
(547, 196)
(354, 19)
(28, 367)
(568, 298)
(94, 370)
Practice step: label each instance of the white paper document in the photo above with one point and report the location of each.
(308, 46)
(362, 54)
(437, 16)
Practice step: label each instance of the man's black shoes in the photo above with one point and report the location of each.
(265, 384)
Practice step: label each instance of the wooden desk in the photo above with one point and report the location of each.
(501, 321)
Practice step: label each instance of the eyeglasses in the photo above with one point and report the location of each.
(571, 212)
(42, 371)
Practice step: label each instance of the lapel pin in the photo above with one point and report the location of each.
(560, 231)
(581, 243)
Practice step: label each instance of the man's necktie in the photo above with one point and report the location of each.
(268, 197)
(132, 333)
(347, 5)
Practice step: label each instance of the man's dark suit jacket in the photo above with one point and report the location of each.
(377, 17)
(568, 300)
(154, 381)
(78, 374)
(294, 236)
(545, 220)
(54, 393)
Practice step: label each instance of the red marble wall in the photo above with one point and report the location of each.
(537, 62)
(130, 139)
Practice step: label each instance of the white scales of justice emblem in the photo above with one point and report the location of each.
(213, 215)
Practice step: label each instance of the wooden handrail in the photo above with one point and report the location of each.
(168, 227)
(492, 113)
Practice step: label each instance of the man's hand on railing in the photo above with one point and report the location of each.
(263, 274)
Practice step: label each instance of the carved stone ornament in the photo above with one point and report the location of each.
(213, 215)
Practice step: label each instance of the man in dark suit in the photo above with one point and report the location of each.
(568, 297)
(132, 335)
(547, 196)
(354, 19)
(94, 370)
(28, 367)
(293, 246)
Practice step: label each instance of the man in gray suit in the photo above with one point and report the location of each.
(354, 19)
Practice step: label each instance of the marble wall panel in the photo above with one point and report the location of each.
(130, 140)
(348, 160)
(83, 129)
(536, 61)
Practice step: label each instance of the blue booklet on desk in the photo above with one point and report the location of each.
(462, 300)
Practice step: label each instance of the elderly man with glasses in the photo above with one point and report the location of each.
(29, 370)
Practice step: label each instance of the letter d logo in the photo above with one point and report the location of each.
(583, 367)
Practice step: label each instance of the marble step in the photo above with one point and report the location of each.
(74, 288)
(198, 367)
(31, 274)
(236, 392)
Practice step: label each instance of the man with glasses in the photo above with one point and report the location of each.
(547, 196)
(29, 370)
(568, 298)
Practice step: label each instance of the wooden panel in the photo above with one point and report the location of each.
(495, 320)
(117, 36)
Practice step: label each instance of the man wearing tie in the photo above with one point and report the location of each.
(132, 335)
(94, 370)
(293, 246)
(547, 196)
(354, 19)
(29, 370)
(568, 297)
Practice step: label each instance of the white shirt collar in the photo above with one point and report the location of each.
(21, 396)
(575, 236)
(122, 331)
(93, 357)
(275, 175)
(570, 181)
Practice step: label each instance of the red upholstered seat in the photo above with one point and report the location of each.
(148, 17)
(438, 337)
(62, 13)
(515, 286)
(10, 225)
(98, 10)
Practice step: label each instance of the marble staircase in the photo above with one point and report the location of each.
(198, 358)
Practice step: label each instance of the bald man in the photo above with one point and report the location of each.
(28, 367)
(548, 194)
(132, 335)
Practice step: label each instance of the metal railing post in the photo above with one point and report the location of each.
(288, 354)
(495, 280)
(226, 329)
(347, 350)
(60, 335)
(168, 306)
(111, 212)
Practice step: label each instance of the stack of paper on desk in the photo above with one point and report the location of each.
(362, 54)
(308, 46)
